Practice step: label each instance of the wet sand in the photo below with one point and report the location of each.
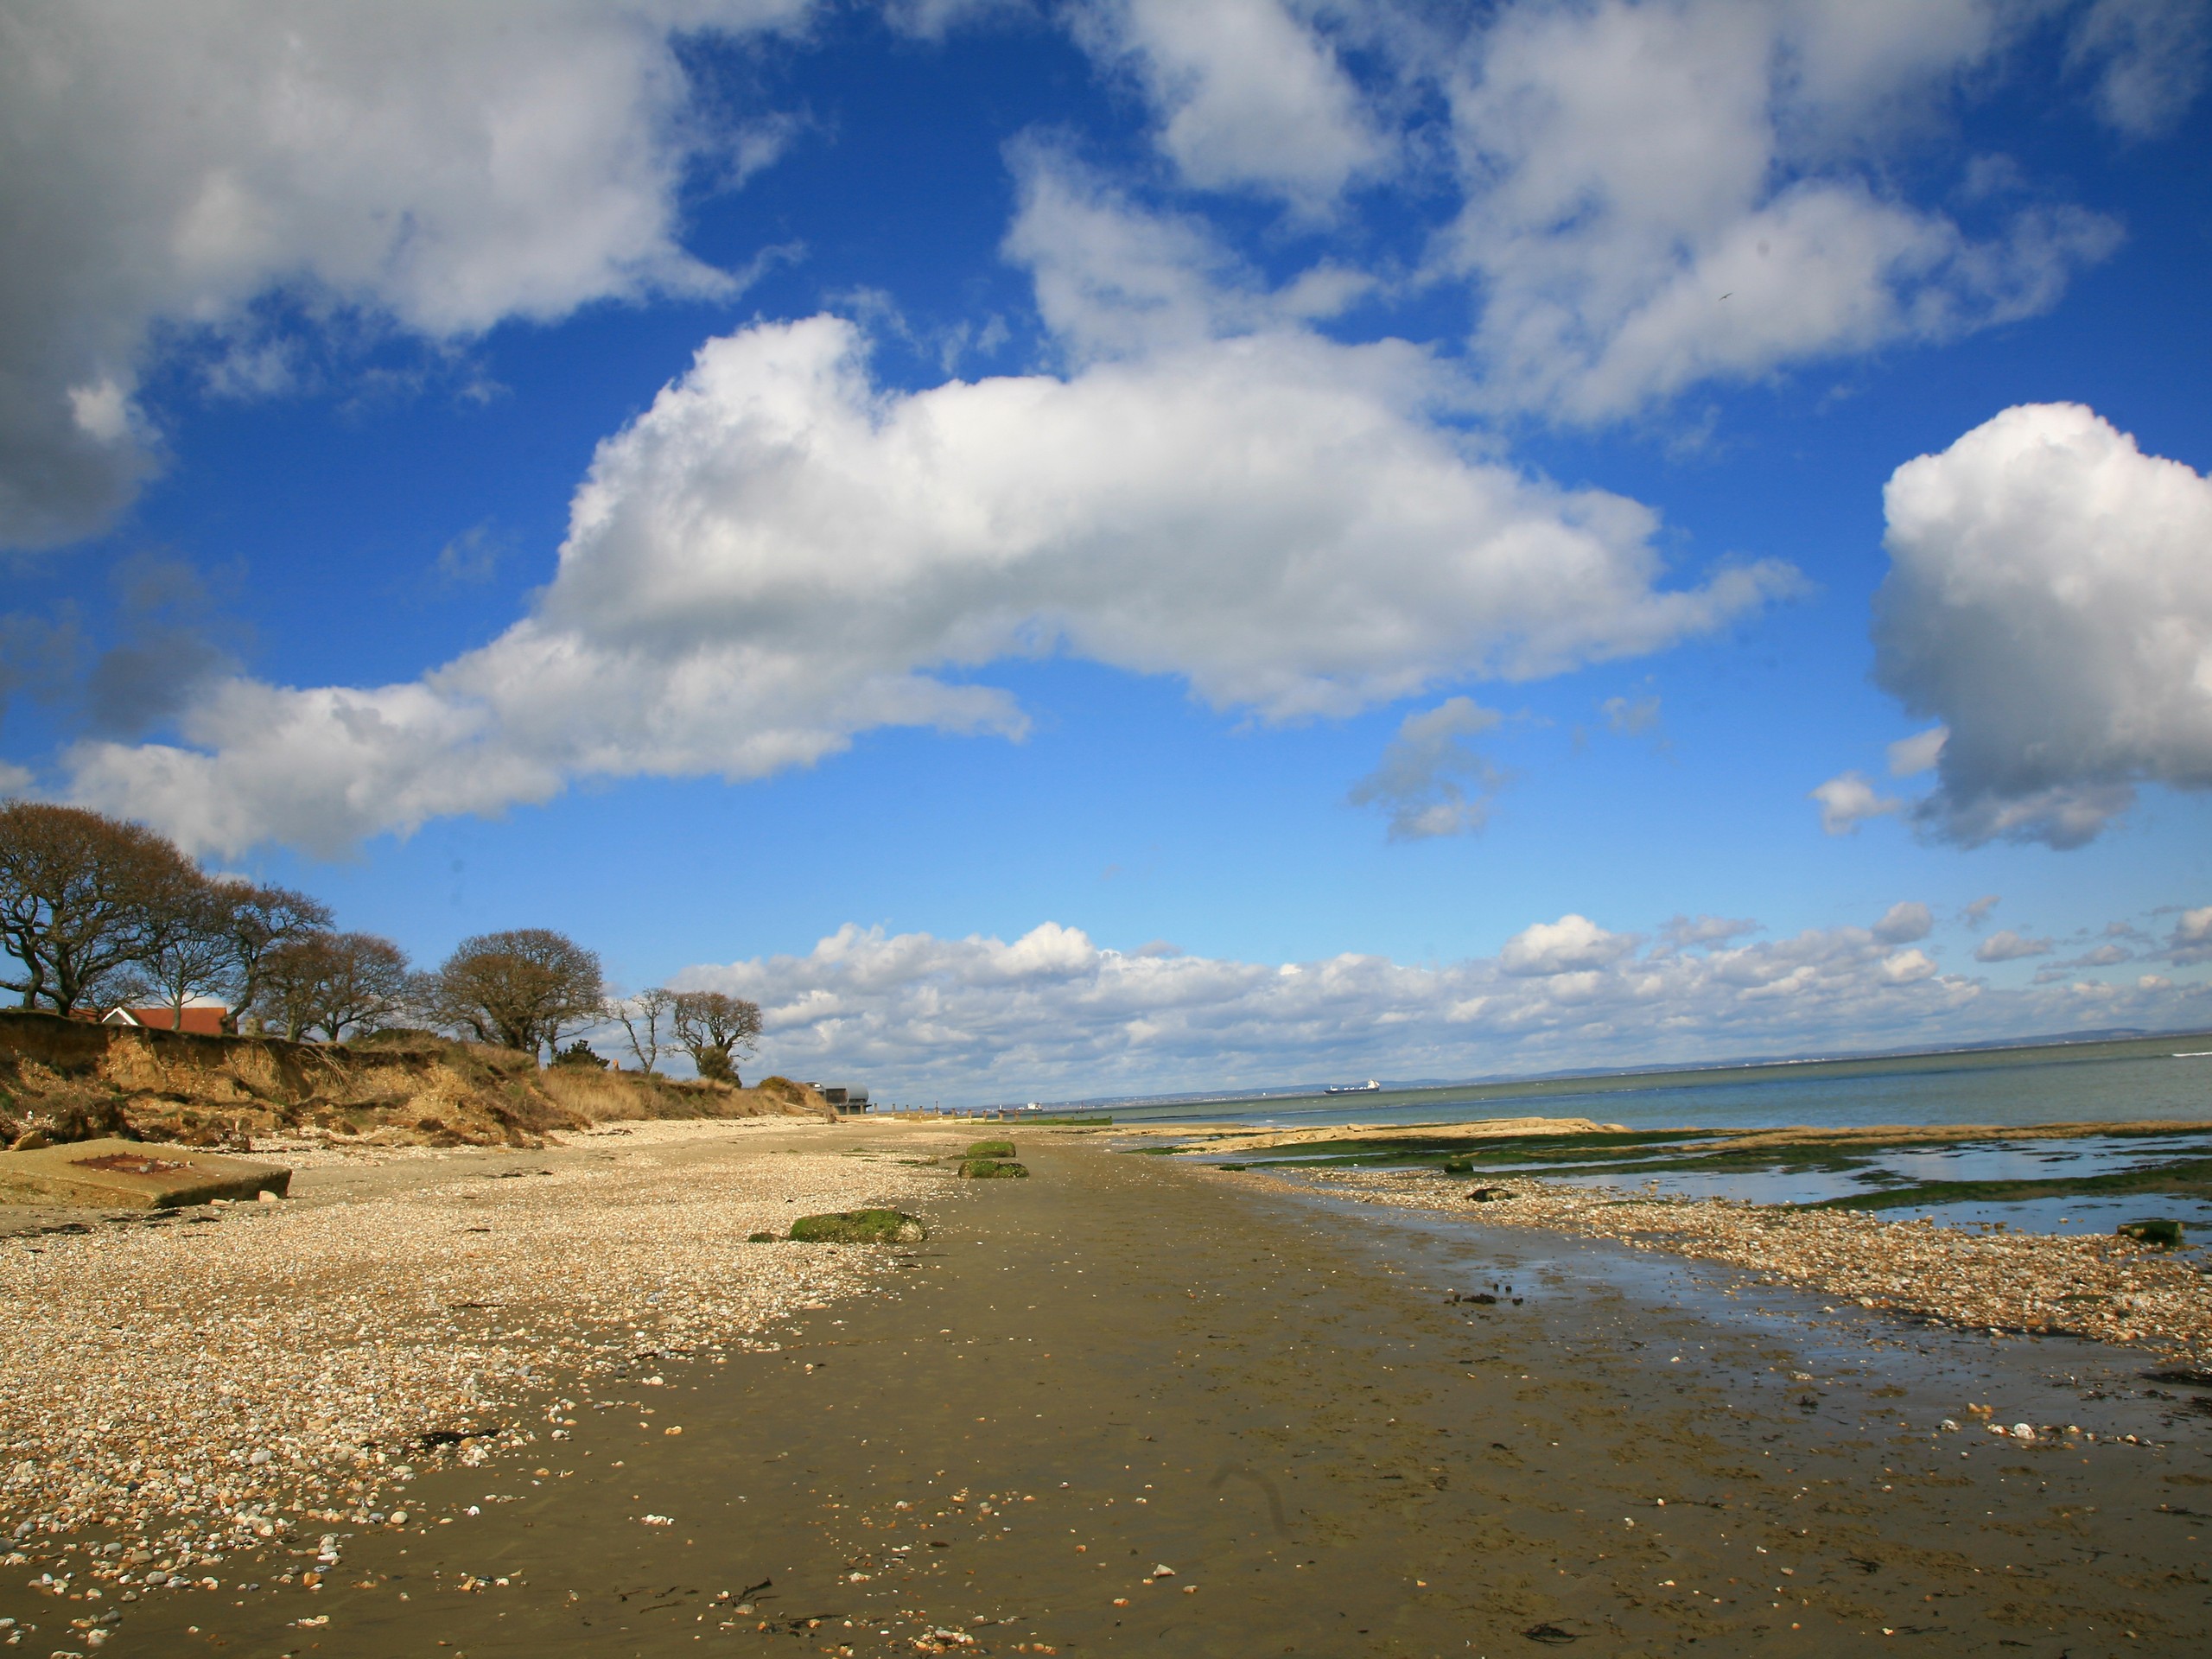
(1123, 1364)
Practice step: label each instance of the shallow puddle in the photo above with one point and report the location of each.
(1860, 1368)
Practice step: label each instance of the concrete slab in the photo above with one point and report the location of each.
(132, 1175)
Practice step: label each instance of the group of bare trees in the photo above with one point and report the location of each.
(95, 912)
(712, 1028)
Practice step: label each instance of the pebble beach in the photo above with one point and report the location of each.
(448, 1402)
(182, 1381)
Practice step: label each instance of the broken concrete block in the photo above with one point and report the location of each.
(132, 1175)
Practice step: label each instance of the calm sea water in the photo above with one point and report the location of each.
(2046, 1091)
(2040, 1091)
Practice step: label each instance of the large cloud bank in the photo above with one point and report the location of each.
(1650, 195)
(1633, 200)
(1661, 194)
(1051, 1013)
(778, 554)
(431, 166)
(2049, 601)
(222, 172)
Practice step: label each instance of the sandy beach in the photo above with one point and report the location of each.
(1126, 1403)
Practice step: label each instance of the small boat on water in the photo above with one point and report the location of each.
(1368, 1087)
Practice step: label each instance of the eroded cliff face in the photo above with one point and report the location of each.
(72, 1080)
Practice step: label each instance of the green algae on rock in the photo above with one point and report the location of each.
(2155, 1229)
(991, 1149)
(859, 1227)
(992, 1169)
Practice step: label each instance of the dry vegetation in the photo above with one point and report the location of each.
(625, 1097)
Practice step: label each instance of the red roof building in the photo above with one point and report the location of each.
(211, 1019)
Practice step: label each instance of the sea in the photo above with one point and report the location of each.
(2126, 1081)
(2144, 1078)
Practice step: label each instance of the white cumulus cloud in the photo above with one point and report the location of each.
(780, 554)
(2006, 945)
(1571, 944)
(1431, 780)
(1908, 968)
(1248, 95)
(1904, 922)
(434, 166)
(1848, 799)
(2049, 601)
(2145, 59)
(917, 1017)
(1665, 193)
(2192, 935)
(1683, 931)
(1114, 278)
(1910, 756)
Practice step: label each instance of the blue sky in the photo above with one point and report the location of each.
(1086, 547)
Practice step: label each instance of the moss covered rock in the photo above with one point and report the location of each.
(991, 1149)
(859, 1227)
(992, 1169)
(2154, 1229)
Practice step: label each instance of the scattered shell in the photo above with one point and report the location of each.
(201, 1382)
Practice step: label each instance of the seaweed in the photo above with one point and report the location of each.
(2186, 1176)
(1468, 1151)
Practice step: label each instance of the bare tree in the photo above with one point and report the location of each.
(643, 1018)
(186, 951)
(287, 994)
(334, 981)
(518, 987)
(258, 920)
(713, 1029)
(77, 894)
(367, 985)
